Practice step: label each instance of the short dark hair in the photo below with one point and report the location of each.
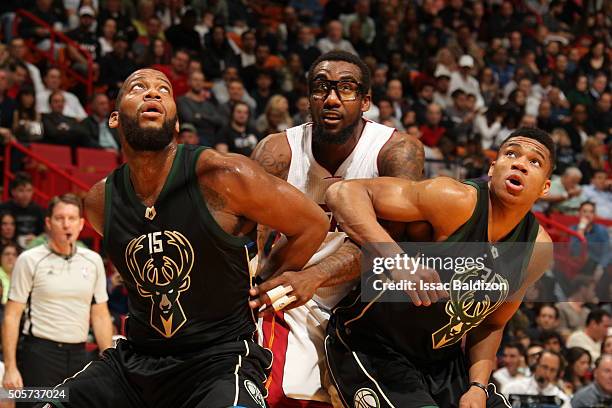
(546, 335)
(67, 198)
(551, 306)
(384, 99)
(559, 356)
(346, 57)
(518, 346)
(21, 179)
(539, 136)
(582, 204)
(58, 92)
(235, 105)
(457, 92)
(596, 315)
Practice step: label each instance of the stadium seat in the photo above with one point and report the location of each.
(48, 181)
(89, 177)
(56, 154)
(95, 159)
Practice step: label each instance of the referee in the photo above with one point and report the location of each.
(61, 287)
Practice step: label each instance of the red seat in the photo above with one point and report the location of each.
(89, 177)
(48, 181)
(96, 159)
(56, 154)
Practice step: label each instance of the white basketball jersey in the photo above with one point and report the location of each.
(313, 180)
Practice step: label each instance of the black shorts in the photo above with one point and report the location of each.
(373, 377)
(230, 374)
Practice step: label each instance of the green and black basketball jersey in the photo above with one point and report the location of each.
(434, 333)
(187, 279)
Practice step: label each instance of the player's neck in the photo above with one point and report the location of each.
(502, 218)
(149, 170)
(330, 156)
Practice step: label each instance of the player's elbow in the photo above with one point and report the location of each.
(319, 226)
(338, 194)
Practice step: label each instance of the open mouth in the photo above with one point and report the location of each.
(151, 110)
(331, 119)
(514, 184)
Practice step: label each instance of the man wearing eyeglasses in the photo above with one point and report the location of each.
(338, 144)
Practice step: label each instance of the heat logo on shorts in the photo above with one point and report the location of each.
(162, 274)
(366, 398)
(255, 393)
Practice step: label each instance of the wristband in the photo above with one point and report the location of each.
(481, 386)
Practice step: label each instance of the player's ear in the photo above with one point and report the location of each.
(113, 120)
(365, 102)
(177, 126)
(490, 173)
(545, 188)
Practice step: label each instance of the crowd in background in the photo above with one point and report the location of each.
(459, 75)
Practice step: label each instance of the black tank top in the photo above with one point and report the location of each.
(430, 334)
(187, 279)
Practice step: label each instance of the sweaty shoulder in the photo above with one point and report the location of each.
(273, 153)
(402, 156)
(448, 203)
(94, 206)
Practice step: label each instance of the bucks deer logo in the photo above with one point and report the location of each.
(465, 309)
(160, 263)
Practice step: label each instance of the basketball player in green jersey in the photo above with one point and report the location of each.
(175, 220)
(409, 354)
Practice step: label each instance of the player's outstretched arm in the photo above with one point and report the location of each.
(357, 204)
(244, 189)
(484, 340)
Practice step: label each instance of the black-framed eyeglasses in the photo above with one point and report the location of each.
(345, 89)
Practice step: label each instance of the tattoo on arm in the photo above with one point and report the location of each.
(214, 201)
(342, 266)
(272, 162)
(403, 159)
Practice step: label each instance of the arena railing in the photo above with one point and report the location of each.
(79, 187)
(566, 262)
(56, 37)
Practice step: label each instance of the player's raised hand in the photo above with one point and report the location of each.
(286, 291)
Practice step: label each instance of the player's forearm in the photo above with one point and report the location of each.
(482, 346)
(353, 208)
(293, 254)
(10, 336)
(342, 266)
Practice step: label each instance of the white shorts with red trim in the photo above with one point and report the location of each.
(298, 378)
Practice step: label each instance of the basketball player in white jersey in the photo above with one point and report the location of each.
(339, 144)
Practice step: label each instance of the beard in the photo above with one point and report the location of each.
(141, 139)
(320, 135)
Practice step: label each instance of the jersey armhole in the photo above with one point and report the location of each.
(108, 205)
(209, 221)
